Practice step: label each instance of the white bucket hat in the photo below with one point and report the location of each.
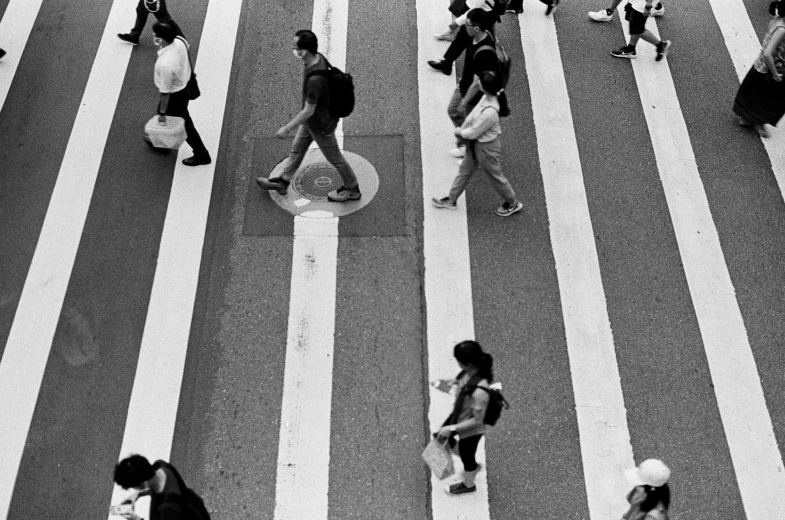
(650, 472)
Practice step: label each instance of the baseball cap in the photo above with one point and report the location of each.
(650, 472)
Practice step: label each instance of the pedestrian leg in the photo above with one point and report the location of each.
(465, 172)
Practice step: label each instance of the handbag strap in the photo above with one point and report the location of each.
(188, 53)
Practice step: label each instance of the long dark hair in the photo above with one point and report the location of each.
(492, 84)
(655, 495)
(470, 353)
(777, 8)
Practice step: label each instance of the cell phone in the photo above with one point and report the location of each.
(442, 384)
(121, 509)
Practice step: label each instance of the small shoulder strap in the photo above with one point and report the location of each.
(187, 52)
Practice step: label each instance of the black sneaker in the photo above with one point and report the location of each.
(198, 160)
(442, 66)
(662, 49)
(276, 184)
(2, 53)
(129, 38)
(344, 194)
(459, 489)
(551, 7)
(628, 51)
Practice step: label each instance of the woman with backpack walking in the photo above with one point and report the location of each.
(467, 419)
(650, 497)
(482, 133)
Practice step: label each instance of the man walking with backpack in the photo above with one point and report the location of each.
(315, 122)
(170, 498)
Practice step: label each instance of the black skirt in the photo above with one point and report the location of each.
(760, 99)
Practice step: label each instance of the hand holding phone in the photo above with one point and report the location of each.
(125, 509)
(444, 385)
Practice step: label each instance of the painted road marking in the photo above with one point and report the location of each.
(742, 405)
(599, 403)
(30, 339)
(152, 411)
(302, 478)
(744, 47)
(331, 25)
(446, 256)
(15, 28)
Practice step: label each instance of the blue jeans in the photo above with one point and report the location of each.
(328, 144)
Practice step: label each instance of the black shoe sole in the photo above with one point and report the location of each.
(441, 68)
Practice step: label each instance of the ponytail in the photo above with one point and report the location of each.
(470, 353)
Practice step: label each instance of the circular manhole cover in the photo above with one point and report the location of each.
(315, 181)
(316, 177)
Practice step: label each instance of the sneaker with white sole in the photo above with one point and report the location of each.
(628, 51)
(443, 203)
(658, 11)
(601, 16)
(457, 152)
(507, 209)
(459, 489)
(344, 194)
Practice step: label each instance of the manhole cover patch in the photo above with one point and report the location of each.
(316, 180)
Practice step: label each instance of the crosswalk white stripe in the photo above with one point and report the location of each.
(15, 28)
(448, 292)
(331, 26)
(150, 423)
(303, 470)
(30, 339)
(599, 403)
(748, 429)
(743, 46)
(302, 477)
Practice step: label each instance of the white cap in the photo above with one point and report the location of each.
(650, 472)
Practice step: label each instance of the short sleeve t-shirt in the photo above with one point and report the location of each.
(316, 92)
(475, 63)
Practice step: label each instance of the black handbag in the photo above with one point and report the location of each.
(192, 87)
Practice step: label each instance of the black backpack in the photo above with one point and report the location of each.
(341, 89)
(496, 404)
(505, 62)
(191, 504)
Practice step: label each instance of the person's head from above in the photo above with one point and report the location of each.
(163, 33)
(476, 21)
(472, 359)
(652, 475)
(306, 44)
(490, 83)
(134, 472)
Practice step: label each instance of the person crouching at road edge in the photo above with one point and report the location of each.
(172, 72)
(313, 123)
(650, 497)
(143, 10)
(468, 414)
(482, 132)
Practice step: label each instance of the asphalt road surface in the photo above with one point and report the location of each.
(689, 255)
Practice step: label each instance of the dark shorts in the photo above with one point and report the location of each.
(637, 22)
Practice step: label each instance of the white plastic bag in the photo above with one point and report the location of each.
(170, 134)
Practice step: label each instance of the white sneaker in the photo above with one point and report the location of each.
(658, 12)
(457, 152)
(601, 16)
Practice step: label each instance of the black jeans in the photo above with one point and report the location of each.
(178, 107)
(459, 44)
(162, 15)
(467, 447)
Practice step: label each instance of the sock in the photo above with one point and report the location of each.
(469, 476)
